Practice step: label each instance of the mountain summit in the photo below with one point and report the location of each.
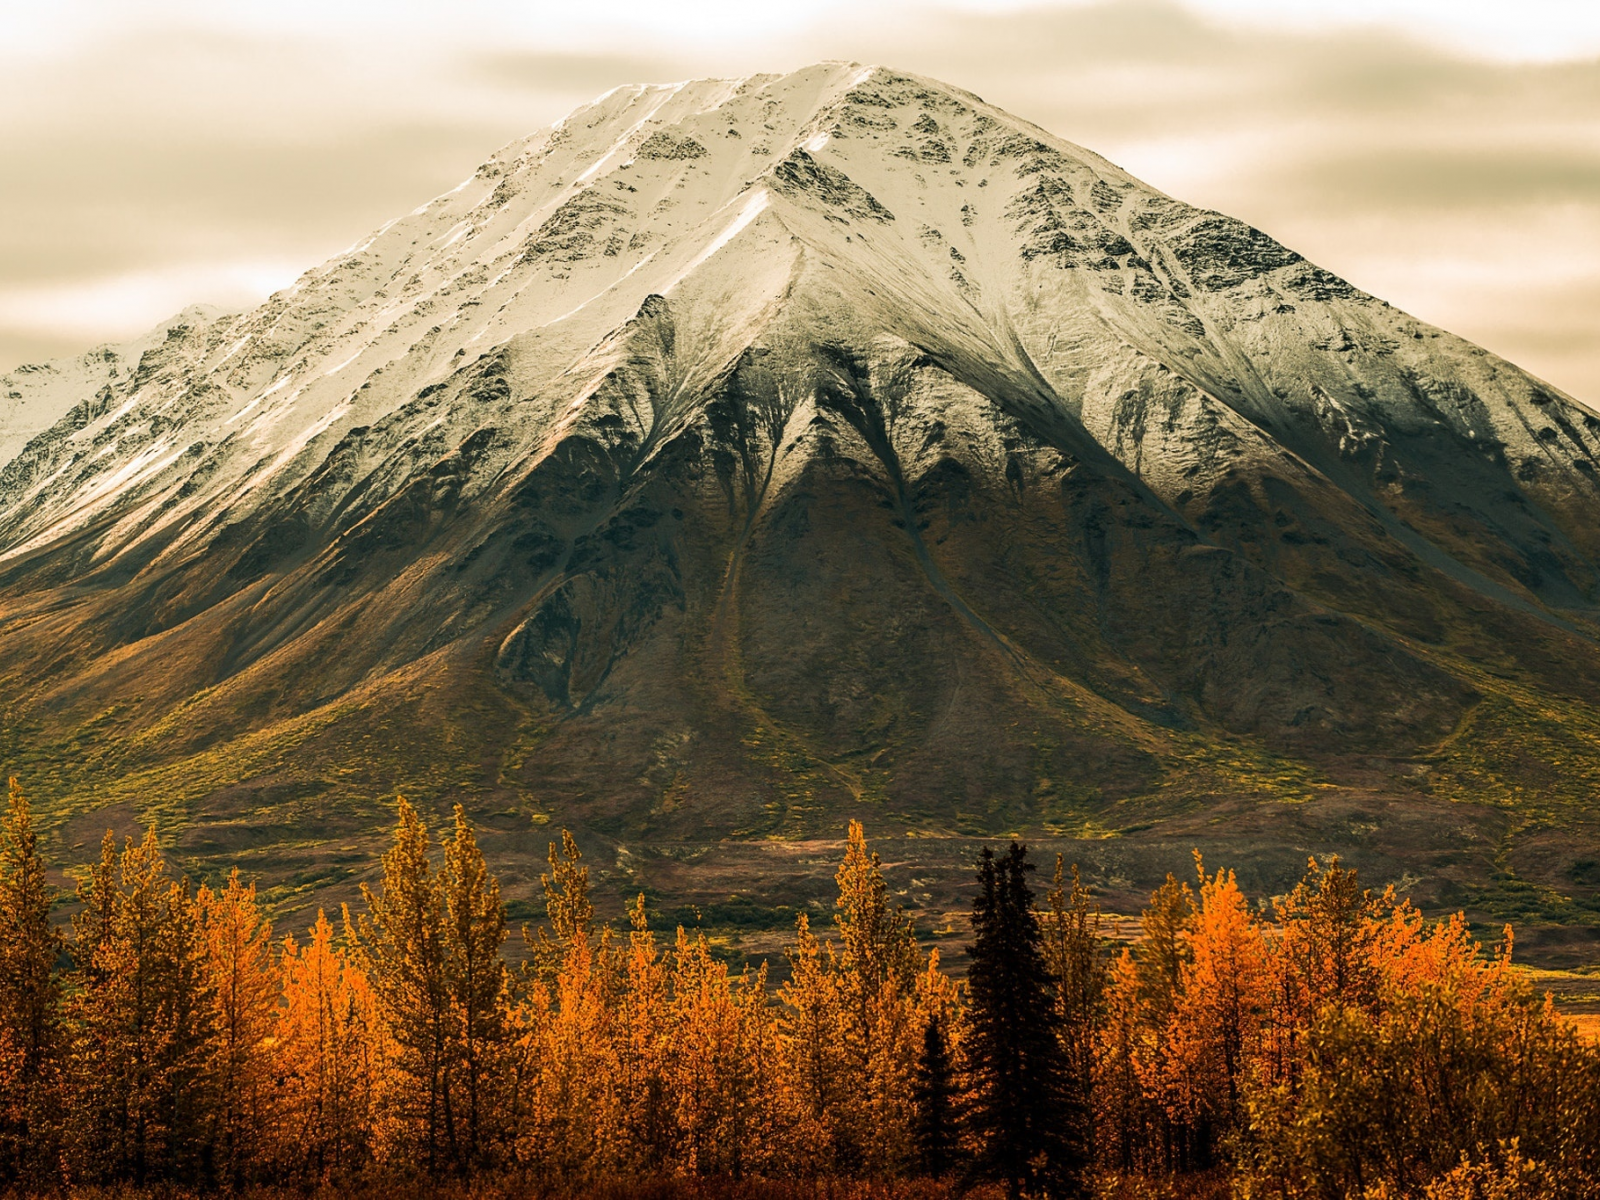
(740, 454)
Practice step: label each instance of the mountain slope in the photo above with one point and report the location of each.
(35, 396)
(741, 454)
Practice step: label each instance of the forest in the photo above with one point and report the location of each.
(1331, 1043)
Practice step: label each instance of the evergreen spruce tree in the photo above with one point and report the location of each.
(934, 1094)
(30, 1003)
(1021, 1111)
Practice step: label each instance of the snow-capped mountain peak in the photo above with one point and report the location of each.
(737, 450)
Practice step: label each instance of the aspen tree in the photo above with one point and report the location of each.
(1216, 1027)
(568, 910)
(96, 917)
(1329, 925)
(724, 1098)
(572, 1094)
(144, 1024)
(1161, 956)
(1126, 1120)
(244, 987)
(763, 1108)
(643, 1045)
(1456, 1080)
(402, 936)
(872, 965)
(1164, 947)
(706, 1052)
(1325, 955)
(1072, 955)
(818, 1058)
(474, 931)
(574, 1117)
(876, 943)
(31, 1034)
(328, 1055)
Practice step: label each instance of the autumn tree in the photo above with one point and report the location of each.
(144, 1023)
(876, 943)
(1021, 1108)
(643, 1046)
(572, 1111)
(1164, 947)
(852, 1022)
(818, 1062)
(1078, 972)
(329, 1057)
(721, 1066)
(1329, 929)
(876, 965)
(572, 1072)
(244, 987)
(402, 935)
(1128, 1121)
(475, 976)
(1450, 1077)
(31, 1035)
(433, 944)
(1218, 1021)
(569, 913)
(1161, 959)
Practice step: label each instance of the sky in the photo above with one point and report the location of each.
(1441, 154)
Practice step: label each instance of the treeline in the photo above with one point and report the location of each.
(1333, 1045)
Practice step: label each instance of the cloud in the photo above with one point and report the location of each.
(1466, 190)
(119, 306)
(1461, 184)
(583, 73)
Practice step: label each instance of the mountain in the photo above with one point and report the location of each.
(35, 396)
(741, 455)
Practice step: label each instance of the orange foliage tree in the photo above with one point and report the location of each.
(244, 987)
(144, 1017)
(31, 1033)
(1333, 1044)
(330, 1052)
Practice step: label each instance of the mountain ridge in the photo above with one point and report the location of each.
(738, 454)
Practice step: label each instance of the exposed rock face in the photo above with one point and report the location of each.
(740, 454)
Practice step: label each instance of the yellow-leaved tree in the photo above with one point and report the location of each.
(144, 1021)
(244, 988)
(32, 1039)
(330, 1053)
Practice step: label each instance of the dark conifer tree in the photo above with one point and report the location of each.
(1021, 1111)
(934, 1093)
